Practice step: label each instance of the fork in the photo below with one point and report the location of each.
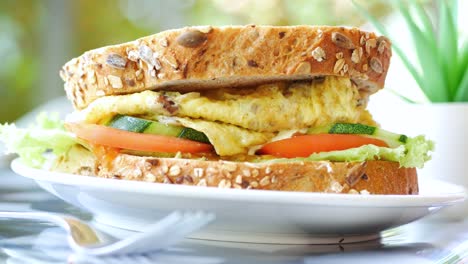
(84, 240)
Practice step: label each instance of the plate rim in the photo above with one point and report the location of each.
(263, 196)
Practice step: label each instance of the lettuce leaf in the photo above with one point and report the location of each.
(413, 154)
(48, 134)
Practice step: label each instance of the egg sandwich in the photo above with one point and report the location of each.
(246, 107)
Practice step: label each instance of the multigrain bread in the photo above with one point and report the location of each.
(373, 177)
(207, 57)
(370, 177)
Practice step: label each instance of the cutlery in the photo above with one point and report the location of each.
(85, 240)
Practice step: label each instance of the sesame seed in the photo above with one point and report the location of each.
(336, 187)
(370, 44)
(211, 170)
(150, 177)
(365, 192)
(273, 179)
(355, 56)
(265, 181)
(229, 166)
(339, 55)
(364, 67)
(224, 184)
(174, 170)
(239, 179)
(139, 74)
(137, 172)
(376, 65)
(338, 65)
(171, 61)
(133, 55)
(205, 29)
(115, 81)
(202, 182)
(362, 41)
(163, 42)
(198, 172)
(319, 54)
(255, 173)
(345, 68)
(382, 44)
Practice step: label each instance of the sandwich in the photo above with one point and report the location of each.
(245, 107)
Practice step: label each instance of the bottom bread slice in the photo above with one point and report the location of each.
(370, 177)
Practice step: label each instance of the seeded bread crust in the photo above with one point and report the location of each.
(194, 58)
(371, 177)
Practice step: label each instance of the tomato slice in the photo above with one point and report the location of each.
(116, 138)
(305, 145)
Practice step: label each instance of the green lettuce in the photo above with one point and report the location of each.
(413, 154)
(48, 134)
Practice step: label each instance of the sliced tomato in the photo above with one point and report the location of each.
(305, 145)
(116, 138)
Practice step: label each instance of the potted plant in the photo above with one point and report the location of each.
(441, 72)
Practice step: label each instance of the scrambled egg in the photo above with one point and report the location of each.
(277, 107)
(236, 119)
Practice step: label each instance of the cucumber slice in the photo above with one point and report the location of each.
(192, 134)
(129, 123)
(344, 128)
(163, 129)
(139, 125)
(392, 139)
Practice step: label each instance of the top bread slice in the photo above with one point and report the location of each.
(195, 58)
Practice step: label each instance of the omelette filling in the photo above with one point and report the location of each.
(236, 121)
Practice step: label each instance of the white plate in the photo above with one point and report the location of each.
(248, 215)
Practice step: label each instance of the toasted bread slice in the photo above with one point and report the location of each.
(196, 58)
(373, 177)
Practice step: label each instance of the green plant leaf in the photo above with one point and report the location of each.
(462, 92)
(432, 73)
(448, 46)
(426, 25)
(461, 70)
(402, 97)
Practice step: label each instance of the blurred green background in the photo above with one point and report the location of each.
(38, 36)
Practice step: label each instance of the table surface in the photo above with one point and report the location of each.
(429, 240)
